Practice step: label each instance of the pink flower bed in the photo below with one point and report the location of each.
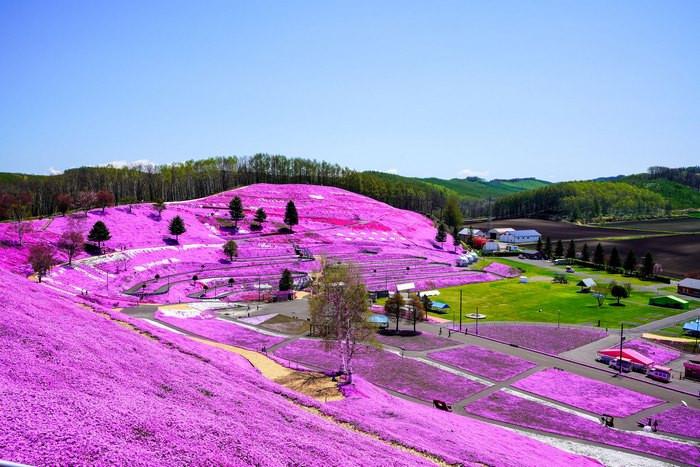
(530, 414)
(420, 342)
(457, 439)
(484, 362)
(660, 354)
(547, 339)
(222, 331)
(585, 393)
(79, 389)
(684, 421)
(502, 270)
(403, 375)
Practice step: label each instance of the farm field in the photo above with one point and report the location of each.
(509, 300)
(678, 255)
(677, 225)
(557, 230)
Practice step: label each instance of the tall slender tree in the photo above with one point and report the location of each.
(548, 248)
(286, 281)
(539, 245)
(614, 262)
(599, 256)
(393, 306)
(559, 249)
(647, 265)
(571, 250)
(630, 264)
(177, 227)
(291, 217)
(441, 235)
(585, 254)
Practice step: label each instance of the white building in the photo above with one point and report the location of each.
(520, 236)
(493, 246)
(495, 233)
(464, 233)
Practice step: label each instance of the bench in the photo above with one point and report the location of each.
(442, 405)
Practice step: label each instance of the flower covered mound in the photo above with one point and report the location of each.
(659, 353)
(76, 388)
(502, 270)
(585, 393)
(385, 369)
(484, 362)
(684, 421)
(525, 413)
(548, 339)
(420, 342)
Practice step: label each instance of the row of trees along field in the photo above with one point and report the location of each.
(196, 179)
(583, 201)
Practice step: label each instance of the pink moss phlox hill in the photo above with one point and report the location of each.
(79, 389)
(684, 421)
(457, 439)
(385, 369)
(502, 270)
(223, 331)
(547, 339)
(659, 353)
(484, 362)
(585, 393)
(518, 411)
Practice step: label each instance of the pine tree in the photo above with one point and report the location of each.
(614, 262)
(286, 281)
(647, 266)
(441, 235)
(539, 244)
(599, 255)
(470, 238)
(630, 262)
(585, 254)
(231, 249)
(455, 238)
(260, 216)
(291, 217)
(99, 233)
(559, 249)
(548, 248)
(177, 227)
(571, 250)
(235, 208)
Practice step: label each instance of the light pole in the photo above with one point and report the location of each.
(622, 338)
(697, 332)
(476, 320)
(558, 318)
(460, 310)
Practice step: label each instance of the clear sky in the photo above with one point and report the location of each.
(558, 90)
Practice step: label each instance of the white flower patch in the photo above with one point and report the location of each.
(316, 196)
(160, 262)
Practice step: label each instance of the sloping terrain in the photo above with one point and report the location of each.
(477, 188)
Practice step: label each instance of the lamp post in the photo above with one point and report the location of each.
(697, 332)
(558, 318)
(476, 320)
(622, 339)
(460, 310)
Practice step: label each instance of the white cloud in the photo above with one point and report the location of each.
(472, 173)
(392, 171)
(123, 163)
(53, 171)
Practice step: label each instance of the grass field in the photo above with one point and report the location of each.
(509, 300)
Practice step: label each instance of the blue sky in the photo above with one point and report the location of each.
(558, 90)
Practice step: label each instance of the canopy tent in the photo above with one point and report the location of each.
(378, 320)
(669, 301)
(631, 355)
(586, 283)
(429, 293)
(692, 327)
(440, 306)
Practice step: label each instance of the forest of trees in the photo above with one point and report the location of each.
(196, 179)
(583, 201)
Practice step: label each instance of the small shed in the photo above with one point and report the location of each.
(669, 301)
(689, 287)
(586, 284)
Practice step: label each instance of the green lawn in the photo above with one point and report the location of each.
(508, 300)
(673, 331)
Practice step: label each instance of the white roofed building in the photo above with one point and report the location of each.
(521, 236)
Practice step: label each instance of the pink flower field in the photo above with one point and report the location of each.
(659, 353)
(684, 421)
(483, 362)
(584, 393)
(420, 342)
(222, 331)
(385, 369)
(547, 339)
(521, 412)
(502, 270)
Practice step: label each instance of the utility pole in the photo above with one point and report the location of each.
(460, 310)
(622, 338)
(476, 320)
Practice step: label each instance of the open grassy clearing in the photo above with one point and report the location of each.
(509, 300)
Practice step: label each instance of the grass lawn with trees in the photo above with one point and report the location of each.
(509, 300)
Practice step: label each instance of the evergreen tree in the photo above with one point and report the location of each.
(260, 216)
(470, 238)
(599, 255)
(291, 217)
(99, 233)
(571, 250)
(455, 237)
(647, 265)
(177, 227)
(559, 249)
(231, 249)
(585, 254)
(630, 262)
(614, 262)
(548, 248)
(235, 208)
(393, 306)
(539, 244)
(441, 235)
(286, 281)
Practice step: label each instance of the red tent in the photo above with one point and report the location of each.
(632, 355)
